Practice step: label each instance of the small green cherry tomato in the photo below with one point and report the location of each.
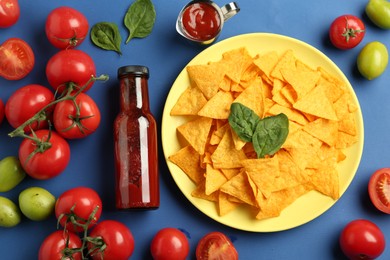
(379, 13)
(11, 173)
(36, 203)
(10, 214)
(372, 60)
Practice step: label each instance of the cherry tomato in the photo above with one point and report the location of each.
(362, 239)
(346, 31)
(9, 13)
(40, 162)
(1, 111)
(379, 189)
(76, 119)
(52, 248)
(70, 66)
(114, 241)
(80, 202)
(66, 27)
(216, 245)
(372, 60)
(379, 13)
(16, 59)
(169, 244)
(25, 102)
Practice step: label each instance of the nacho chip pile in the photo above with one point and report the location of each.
(225, 169)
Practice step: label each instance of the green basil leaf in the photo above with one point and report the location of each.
(270, 134)
(243, 121)
(106, 36)
(139, 19)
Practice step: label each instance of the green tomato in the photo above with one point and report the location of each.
(36, 203)
(379, 13)
(11, 173)
(372, 60)
(10, 214)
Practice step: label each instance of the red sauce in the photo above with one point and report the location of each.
(201, 21)
(135, 138)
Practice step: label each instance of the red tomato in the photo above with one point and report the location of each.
(9, 13)
(25, 102)
(346, 32)
(67, 66)
(114, 241)
(16, 59)
(362, 239)
(1, 111)
(76, 119)
(52, 248)
(379, 189)
(169, 244)
(44, 159)
(216, 245)
(80, 202)
(66, 27)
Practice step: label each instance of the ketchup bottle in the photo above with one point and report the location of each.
(135, 137)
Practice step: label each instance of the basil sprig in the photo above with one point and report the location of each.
(267, 135)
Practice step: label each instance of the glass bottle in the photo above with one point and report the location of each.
(135, 142)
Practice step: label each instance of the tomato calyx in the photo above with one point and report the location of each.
(350, 32)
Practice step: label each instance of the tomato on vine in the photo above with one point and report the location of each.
(78, 206)
(44, 154)
(76, 118)
(16, 59)
(70, 69)
(110, 240)
(25, 102)
(60, 245)
(346, 31)
(66, 27)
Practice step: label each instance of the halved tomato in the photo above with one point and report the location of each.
(379, 189)
(216, 245)
(16, 59)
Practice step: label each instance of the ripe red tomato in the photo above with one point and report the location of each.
(52, 248)
(66, 27)
(82, 202)
(67, 66)
(346, 31)
(76, 119)
(9, 13)
(42, 160)
(362, 239)
(169, 244)
(379, 189)
(1, 111)
(16, 59)
(25, 102)
(216, 245)
(114, 241)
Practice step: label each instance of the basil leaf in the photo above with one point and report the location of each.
(270, 134)
(243, 121)
(106, 36)
(139, 19)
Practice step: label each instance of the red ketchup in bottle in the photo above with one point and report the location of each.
(201, 21)
(135, 142)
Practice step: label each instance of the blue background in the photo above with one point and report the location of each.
(166, 54)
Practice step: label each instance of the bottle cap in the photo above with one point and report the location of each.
(134, 70)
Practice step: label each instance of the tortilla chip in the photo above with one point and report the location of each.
(189, 102)
(196, 133)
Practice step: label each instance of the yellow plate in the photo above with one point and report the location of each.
(307, 207)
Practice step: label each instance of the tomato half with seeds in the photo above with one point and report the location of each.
(216, 245)
(16, 59)
(346, 31)
(379, 189)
